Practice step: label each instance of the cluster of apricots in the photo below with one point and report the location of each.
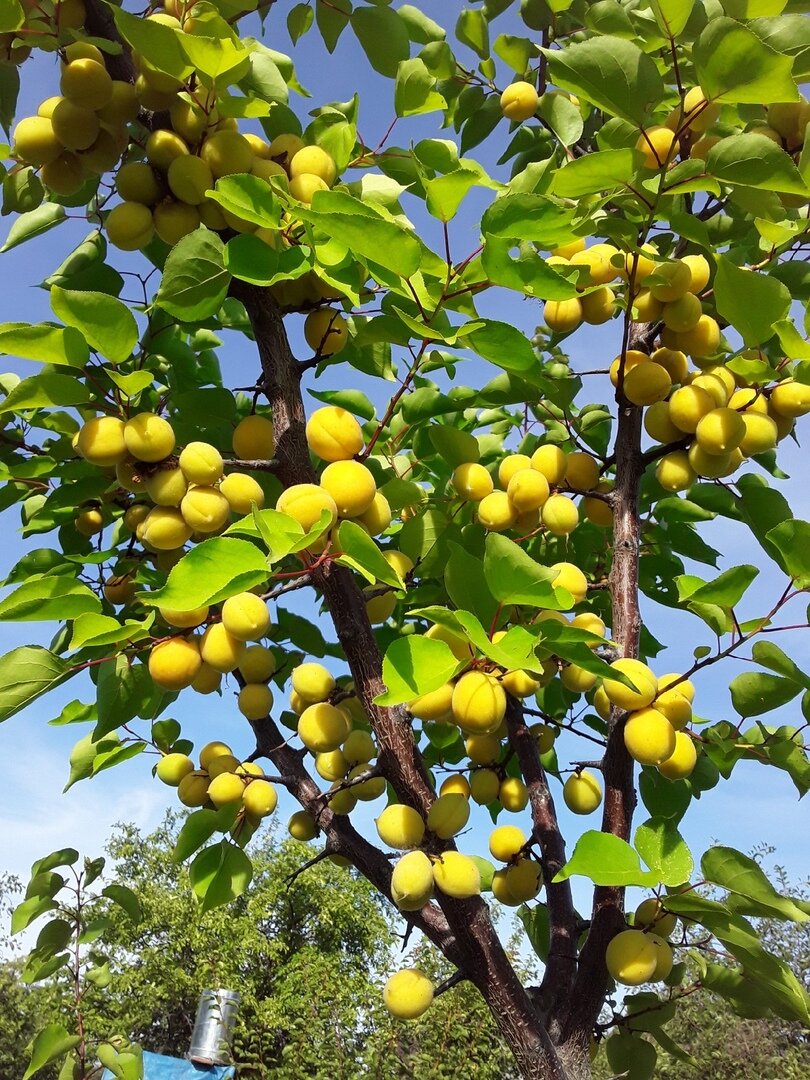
(177, 496)
(219, 780)
(532, 491)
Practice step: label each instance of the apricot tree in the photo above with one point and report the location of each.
(483, 551)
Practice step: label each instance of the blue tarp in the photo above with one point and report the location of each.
(158, 1067)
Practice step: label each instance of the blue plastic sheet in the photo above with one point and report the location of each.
(158, 1067)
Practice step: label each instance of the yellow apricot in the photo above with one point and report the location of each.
(89, 522)
(377, 518)
(326, 331)
(563, 316)
(226, 153)
(790, 399)
(456, 874)
(322, 727)
(208, 680)
(459, 646)
(174, 664)
(259, 798)
(658, 425)
(506, 842)
(649, 736)
(455, 785)
(674, 706)
(577, 679)
(351, 485)
(761, 434)
(527, 490)
(511, 464)
(496, 511)
(75, 127)
(331, 766)
(101, 441)
(173, 767)
(647, 384)
(551, 461)
(524, 879)
(560, 515)
(412, 881)
(166, 487)
(301, 826)
(484, 786)
(87, 83)
(255, 701)
(220, 650)
(359, 747)
(581, 471)
(483, 749)
(659, 147)
(192, 790)
(682, 314)
(205, 509)
(520, 684)
(165, 529)
(400, 826)
(252, 438)
(129, 226)
(687, 407)
(408, 994)
(565, 251)
(312, 682)
(631, 957)
(189, 179)
(472, 481)
(448, 815)
(201, 463)
(174, 220)
(652, 915)
(674, 472)
(599, 307)
(698, 113)
(681, 762)
(313, 161)
(226, 789)
(720, 431)
(334, 434)
(306, 186)
(35, 141)
(670, 281)
(519, 101)
(545, 736)
(435, 705)
(246, 616)
(513, 794)
(645, 682)
(149, 437)
(703, 340)
(478, 703)
(582, 792)
(137, 182)
(242, 492)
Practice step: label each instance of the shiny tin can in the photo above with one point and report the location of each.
(213, 1027)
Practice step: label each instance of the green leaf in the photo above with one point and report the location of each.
(29, 910)
(466, 584)
(12, 16)
(365, 233)
(358, 551)
(514, 51)
(515, 577)
(754, 161)
(49, 1045)
(662, 797)
(89, 757)
(733, 65)
(98, 630)
(672, 15)
(161, 46)
(46, 390)
(453, 445)
(106, 323)
(472, 30)
(220, 874)
(604, 170)
(606, 860)
(754, 692)
(752, 302)
(421, 28)
(299, 19)
(529, 273)
(61, 857)
(195, 281)
(528, 216)
(210, 572)
(414, 90)
(248, 197)
(48, 344)
(503, 345)
(791, 540)
(446, 193)
(726, 590)
(562, 116)
(332, 19)
(124, 691)
(383, 37)
(34, 223)
(743, 876)
(48, 598)
(771, 656)
(199, 827)
(249, 258)
(664, 850)
(25, 674)
(611, 73)
(413, 666)
(126, 899)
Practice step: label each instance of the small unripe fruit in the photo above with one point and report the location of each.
(301, 826)
(87, 83)
(189, 179)
(174, 664)
(519, 101)
(136, 182)
(651, 915)
(524, 879)
(163, 147)
(582, 793)
(484, 786)
(174, 220)
(400, 826)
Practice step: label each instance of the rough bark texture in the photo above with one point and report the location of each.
(481, 955)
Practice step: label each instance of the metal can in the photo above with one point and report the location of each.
(213, 1027)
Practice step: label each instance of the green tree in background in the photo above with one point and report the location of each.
(496, 535)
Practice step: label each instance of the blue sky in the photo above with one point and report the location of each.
(757, 805)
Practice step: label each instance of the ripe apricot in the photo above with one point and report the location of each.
(659, 146)
(472, 481)
(551, 461)
(306, 502)
(252, 438)
(226, 153)
(220, 650)
(519, 101)
(322, 727)
(478, 703)
(101, 441)
(351, 485)
(326, 331)
(582, 792)
(255, 701)
(560, 515)
(246, 616)
(313, 161)
(496, 511)
(334, 434)
(242, 492)
(87, 83)
(130, 226)
(563, 316)
(645, 682)
(649, 736)
(174, 664)
(75, 127)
